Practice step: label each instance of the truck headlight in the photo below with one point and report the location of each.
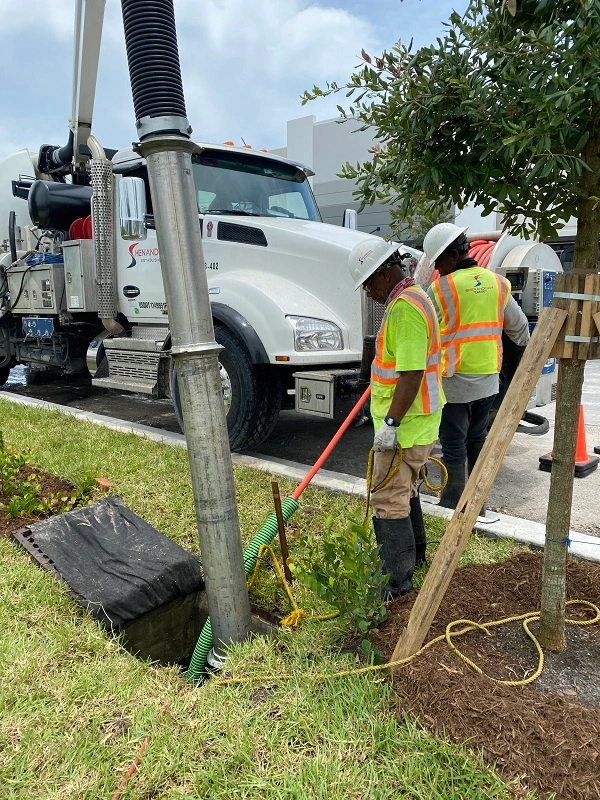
(315, 334)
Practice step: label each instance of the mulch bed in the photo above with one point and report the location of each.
(49, 485)
(543, 736)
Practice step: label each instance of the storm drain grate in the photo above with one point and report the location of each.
(113, 562)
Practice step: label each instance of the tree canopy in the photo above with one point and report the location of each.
(503, 112)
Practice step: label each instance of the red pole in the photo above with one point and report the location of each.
(327, 452)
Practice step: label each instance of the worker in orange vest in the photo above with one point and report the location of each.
(473, 307)
(406, 405)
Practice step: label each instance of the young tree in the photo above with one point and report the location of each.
(504, 112)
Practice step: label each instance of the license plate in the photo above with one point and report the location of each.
(40, 327)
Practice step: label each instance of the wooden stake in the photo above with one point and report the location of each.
(576, 338)
(480, 482)
(281, 528)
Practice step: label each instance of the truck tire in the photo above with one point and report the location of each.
(4, 373)
(252, 393)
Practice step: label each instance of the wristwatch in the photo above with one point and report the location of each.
(393, 423)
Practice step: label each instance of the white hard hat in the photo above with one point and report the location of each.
(439, 238)
(424, 272)
(367, 257)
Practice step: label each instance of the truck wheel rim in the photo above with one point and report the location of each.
(225, 387)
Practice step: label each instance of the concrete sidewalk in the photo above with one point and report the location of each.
(521, 485)
(526, 531)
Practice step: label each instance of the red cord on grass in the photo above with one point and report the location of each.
(301, 487)
(135, 763)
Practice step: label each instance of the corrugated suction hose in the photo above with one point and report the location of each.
(153, 58)
(265, 536)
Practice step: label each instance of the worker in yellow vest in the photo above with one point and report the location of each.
(473, 307)
(406, 405)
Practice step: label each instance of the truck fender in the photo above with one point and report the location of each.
(240, 326)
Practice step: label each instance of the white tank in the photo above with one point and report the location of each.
(19, 165)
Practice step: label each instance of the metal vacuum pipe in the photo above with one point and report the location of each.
(153, 58)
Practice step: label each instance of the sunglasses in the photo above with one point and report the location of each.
(367, 284)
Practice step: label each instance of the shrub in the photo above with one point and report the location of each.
(344, 569)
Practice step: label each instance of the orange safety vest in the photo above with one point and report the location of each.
(383, 370)
(471, 303)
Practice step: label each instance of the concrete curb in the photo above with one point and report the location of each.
(520, 530)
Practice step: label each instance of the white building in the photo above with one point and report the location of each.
(326, 146)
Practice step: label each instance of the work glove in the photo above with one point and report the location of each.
(385, 438)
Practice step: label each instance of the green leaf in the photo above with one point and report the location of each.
(466, 114)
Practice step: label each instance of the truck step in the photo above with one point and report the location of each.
(126, 384)
(133, 365)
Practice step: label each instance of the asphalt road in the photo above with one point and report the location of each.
(520, 489)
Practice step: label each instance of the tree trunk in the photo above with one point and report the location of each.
(568, 399)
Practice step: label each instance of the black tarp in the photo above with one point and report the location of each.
(115, 564)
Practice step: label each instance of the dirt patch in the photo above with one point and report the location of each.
(49, 485)
(543, 736)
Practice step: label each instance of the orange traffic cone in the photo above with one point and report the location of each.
(584, 463)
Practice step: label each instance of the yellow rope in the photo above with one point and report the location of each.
(394, 470)
(297, 615)
(443, 471)
(447, 636)
(527, 620)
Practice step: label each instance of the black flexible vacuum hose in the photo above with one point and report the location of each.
(153, 58)
(12, 235)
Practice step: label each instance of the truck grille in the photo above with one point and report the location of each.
(375, 312)
(140, 366)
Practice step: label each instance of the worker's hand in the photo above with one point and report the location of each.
(385, 438)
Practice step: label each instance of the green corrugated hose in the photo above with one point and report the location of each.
(265, 535)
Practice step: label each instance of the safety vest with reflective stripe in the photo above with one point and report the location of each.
(383, 369)
(470, 305)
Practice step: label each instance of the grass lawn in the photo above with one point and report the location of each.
(75, 707)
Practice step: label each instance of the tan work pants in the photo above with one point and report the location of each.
(393, 500)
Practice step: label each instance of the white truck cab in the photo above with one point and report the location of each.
(283, 303)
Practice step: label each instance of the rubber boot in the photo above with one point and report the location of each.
(397, 552)
(418, 526)
(470, 465)
(454, 487)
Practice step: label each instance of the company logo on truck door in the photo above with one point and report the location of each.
(145, 255)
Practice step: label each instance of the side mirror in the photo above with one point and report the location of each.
(132, 208)
(350, 219)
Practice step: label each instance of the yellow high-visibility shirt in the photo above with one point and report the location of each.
(470, 303)
(409, 340)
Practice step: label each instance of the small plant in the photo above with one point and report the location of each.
(24, 496)
(11, 463)
(22, 505)
(344, 569)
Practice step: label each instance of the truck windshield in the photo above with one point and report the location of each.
(236, 183)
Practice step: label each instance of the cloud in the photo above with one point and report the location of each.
(36, 21)
(244, 73)
(244, 64)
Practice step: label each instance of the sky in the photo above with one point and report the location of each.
(244, 64)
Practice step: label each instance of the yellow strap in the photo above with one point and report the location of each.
(444, 474)
(447, 636)
(297, 615)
